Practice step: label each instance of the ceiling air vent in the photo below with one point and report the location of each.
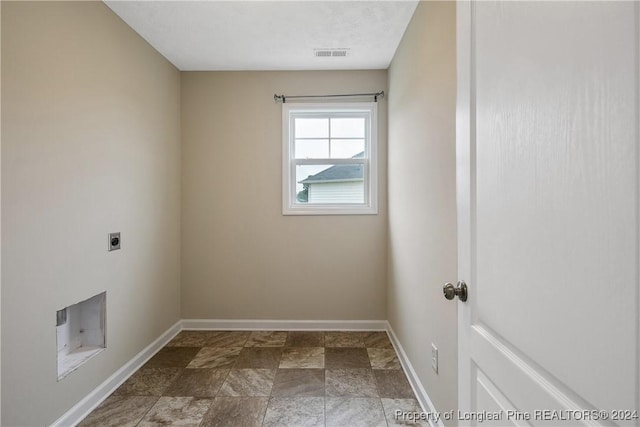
(328, 53)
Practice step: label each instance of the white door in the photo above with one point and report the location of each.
(548, 200)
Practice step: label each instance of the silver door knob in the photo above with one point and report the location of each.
(460, 290)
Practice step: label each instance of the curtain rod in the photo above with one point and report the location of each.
(283, 98)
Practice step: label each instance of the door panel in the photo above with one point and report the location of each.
(548, 218)
(490, 399)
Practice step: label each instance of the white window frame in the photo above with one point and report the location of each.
(370, 161)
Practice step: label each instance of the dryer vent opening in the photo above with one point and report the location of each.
(80, 333)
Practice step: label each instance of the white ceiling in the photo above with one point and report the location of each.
(269, 35)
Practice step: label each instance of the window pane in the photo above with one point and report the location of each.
(312, 149)
(339, 184)
(306, 171)
(347, 148)
(347, 128)
(312, 128)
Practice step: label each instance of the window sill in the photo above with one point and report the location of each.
(328, 210)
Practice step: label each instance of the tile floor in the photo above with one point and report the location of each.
(237, 378)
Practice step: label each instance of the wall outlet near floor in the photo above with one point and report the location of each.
(434, 357)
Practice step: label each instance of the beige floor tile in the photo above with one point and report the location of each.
(176, 411)
(298, 383)
(188, 339)
(383, 358)
(200, 382)
(377, 340)
(148, 382)
(267, 339)
(119, 411)
(172, 357)
(236, 412)
(302, 357)
(354, 412)
(350, 383)
(404, 412)
(346, 358)
(305, 339)
(344, 339)
(213, 357)
(393, 384)
(248, 382)
(227, 338)
(259, 358)
(295, 412)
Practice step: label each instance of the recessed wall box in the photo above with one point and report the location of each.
(114, 241)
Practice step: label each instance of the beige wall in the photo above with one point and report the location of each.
(241, 258)
(422, 204)
(90, 145)
(0, 222)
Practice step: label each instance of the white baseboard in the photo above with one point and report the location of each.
(416, 385)
(284, 325)
(80, 410)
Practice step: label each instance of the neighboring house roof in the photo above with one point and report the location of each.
(338, 173)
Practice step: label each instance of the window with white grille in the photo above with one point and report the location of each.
(329, 159)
